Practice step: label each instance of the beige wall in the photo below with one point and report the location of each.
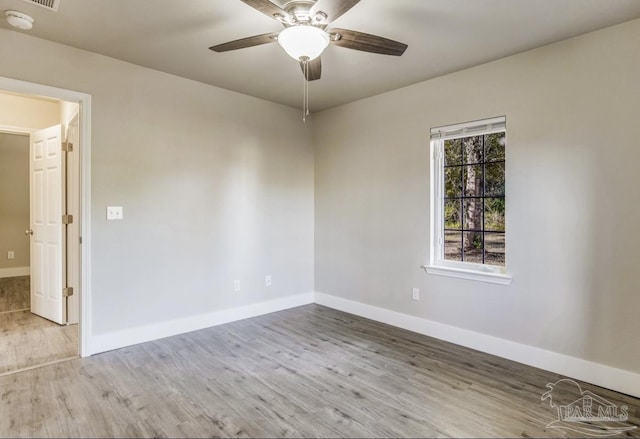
(28, 112)
(213, 188)
(14, 200)
(23, 113)
(572, 113)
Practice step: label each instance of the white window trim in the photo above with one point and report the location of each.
(437, 264)
(462, 273)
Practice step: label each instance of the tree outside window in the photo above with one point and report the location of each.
(474, 199)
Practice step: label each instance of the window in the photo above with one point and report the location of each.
(468, 201)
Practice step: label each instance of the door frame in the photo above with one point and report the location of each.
(84, 99)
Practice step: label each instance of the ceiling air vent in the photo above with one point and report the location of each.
(51, 5)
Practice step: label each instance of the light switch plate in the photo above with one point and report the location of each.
(114, 212)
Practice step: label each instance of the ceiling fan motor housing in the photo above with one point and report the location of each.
(299, 10)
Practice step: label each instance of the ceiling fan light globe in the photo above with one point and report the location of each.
(303, 41)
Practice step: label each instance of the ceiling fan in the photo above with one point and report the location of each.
(305, 34)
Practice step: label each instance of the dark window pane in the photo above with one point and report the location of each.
(494, 147)
(474, 205)
(453, 246)
(472, 245)
(472, 149)
(494, 179)
(452, 152)
(453, 182)
(494, 214)
(452, 211)
(472, 180)
(472, 214)
(494, 249)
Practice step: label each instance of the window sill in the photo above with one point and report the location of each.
(460, 273)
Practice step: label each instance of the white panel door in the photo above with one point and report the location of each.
(47, 239)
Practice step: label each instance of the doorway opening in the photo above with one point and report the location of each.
(44, 273)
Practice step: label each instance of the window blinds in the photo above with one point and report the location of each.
(467, 129)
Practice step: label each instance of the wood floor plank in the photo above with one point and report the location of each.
(304, 372)
(14, 293)
(27, 340)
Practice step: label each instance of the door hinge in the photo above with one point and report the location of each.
(67, 292)
(67, 219)
(67, 146)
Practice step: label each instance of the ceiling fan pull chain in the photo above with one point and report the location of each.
(305, 89)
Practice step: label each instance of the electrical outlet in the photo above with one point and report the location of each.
(114, 212)
(11, 255)
(236, 285)
(416, 294)
(267, 281)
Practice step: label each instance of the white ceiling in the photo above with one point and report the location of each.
(443, 36)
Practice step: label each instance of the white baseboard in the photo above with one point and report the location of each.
(594, 373)
(13, 272)
(141, 334)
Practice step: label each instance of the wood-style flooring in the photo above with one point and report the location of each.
(14, 293)
(304, 372)
(27, 340)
